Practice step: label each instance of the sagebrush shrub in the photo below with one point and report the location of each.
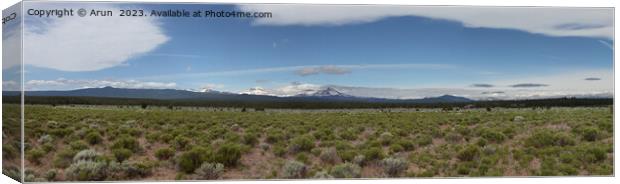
(374, 153)
(164, 153)
(301, 143)
(63, 158)
(329, 155)
(121, 154)
(35, 155)
(93, 137)
(346, 170)
(192, 159)
(423, 140)
(228, 154)
(394, 166)
(468, 153)
(322, 175)
(294, 169)
(386, 138)
(590, 134)
(544, 138)
(359, 160)
(86, 170)
(210, 171)
(127, 142)
(86, 155)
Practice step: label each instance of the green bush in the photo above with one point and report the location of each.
(302, 157)
(210, 171)
(346, 170)
(35, 155)
(78, 145)
(294, 169)
(250, 139)
(228, 154)
(468, 153)
(127, 142)
(181, 142)
(63, 158)
(51, 174)
(93, 137)
(121, 154)
(302, 143)
(9, 152)
(279, 150)
(192, 159)
(590, 134)
(545, 138)
(386, 138)
(374, 153)
(164, 153)
(492, 135)
(329, 155)
(424, 140)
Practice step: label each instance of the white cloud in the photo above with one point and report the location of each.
(552, 21)
(63, 84)
(89, 43)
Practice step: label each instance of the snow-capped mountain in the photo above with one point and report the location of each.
(329, 91)
(256, 91)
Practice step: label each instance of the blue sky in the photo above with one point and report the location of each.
(405, 53)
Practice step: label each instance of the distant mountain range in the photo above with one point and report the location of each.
(327, 94)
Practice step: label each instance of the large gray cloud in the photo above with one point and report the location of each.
(483, 85)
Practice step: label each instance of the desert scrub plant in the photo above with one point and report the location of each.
(359, 160)
(86, 170)
(346, 170)
(301, 143)
(87, 155)
(181, 142)
(78, 145)
(386, 138)
(322, 175)
(374, 153)
(492, 135)
(423, 140)
(121, 154)
(34, 155)
(63, 158)
(192, 159)
(250, 139)
(9, 152)
(209, 171)
(590, 133)
(294, 169)
(127, 142)
(228, 154)
(329, 155)
(164, 153)
(544, 138)
(51, 175)
(468, 153)
(93, 138)
(393, 167)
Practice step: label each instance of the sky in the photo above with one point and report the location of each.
(373, 51)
